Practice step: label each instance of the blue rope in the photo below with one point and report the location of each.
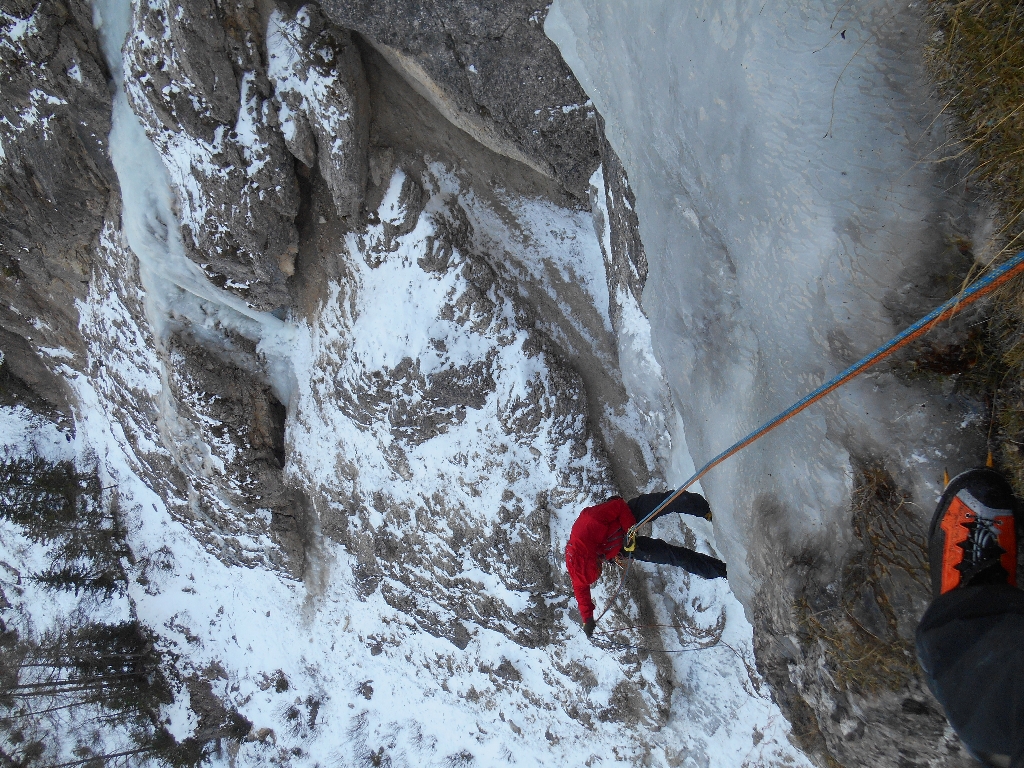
(981, 287)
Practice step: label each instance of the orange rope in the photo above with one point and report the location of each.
(981, 287)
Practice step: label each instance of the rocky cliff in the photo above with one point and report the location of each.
(58, 185)
(329, 309)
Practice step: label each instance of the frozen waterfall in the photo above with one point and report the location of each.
(793, 221)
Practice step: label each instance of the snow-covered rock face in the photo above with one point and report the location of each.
(232, 176)
(348, 524)
(794, 217)
(57, 182)
(318, 80)
(434, 430)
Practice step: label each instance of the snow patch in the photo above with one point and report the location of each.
(253, 147)
(300, 89)
(177, 716)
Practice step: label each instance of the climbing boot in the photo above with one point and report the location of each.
(973, 535)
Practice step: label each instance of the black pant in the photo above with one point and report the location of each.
(970, 643)
(661, 552)
(687, 504)
(650, 550)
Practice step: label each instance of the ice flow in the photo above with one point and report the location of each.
(794, 218)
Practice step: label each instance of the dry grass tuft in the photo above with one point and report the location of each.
(857, 634)
(977, 57)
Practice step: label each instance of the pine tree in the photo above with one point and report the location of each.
(113, 669)
(56, 505)
(90, 672)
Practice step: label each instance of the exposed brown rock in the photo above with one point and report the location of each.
(492, 72)
(55, 181)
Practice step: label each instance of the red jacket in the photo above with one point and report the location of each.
(596, 535)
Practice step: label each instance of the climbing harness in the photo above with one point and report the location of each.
(976, 290)
(630, 543)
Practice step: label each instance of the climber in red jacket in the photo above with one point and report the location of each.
(598, 533)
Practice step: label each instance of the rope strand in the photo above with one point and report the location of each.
(618, 588)
(976, 290)
(718, 643)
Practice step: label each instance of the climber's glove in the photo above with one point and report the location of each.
(588, 628)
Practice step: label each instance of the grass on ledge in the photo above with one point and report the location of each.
(977, 57)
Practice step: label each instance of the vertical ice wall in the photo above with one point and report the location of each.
(792, 221)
